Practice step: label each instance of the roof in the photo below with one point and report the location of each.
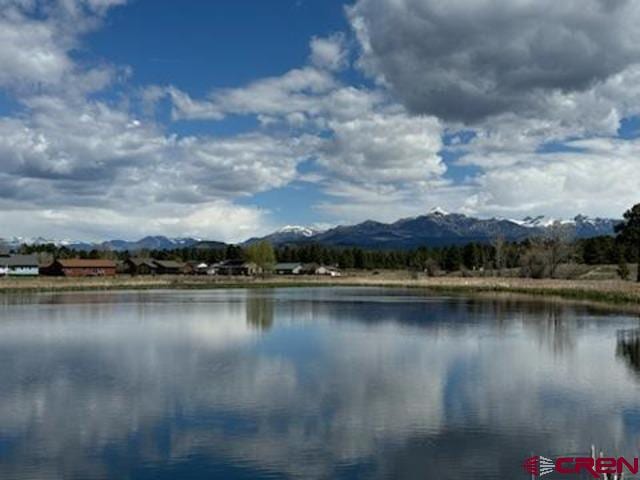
(195, 263)
(287, 266)
(169, 264)
(149, 262)
(233, 263)
(20, 261)
(86, 263)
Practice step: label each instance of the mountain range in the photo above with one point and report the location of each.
(157, 242)
(437, 228)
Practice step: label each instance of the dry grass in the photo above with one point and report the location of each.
(607, 291)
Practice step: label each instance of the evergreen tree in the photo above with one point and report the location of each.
(452, 259)
(629, 231)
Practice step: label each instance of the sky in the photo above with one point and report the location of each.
(229, 119)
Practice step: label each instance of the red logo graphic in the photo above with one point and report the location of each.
(596, 467)
(538, 466)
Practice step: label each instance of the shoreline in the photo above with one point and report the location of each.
(610, 292)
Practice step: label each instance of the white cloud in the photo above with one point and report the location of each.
(96, 157)
(218, 220)
(291, 92)
(384, 148)
(329, 52)
(600, 178)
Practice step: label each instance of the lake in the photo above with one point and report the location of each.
(318, 383)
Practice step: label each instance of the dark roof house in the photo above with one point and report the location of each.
(288, 268)
(141, 266)
(169, 267)
(237, 268)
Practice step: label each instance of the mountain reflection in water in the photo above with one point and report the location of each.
(307, 383)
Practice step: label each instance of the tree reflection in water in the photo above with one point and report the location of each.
(628, 348)
(260, 310)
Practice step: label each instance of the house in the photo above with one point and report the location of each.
(324, 270)
(196, 268)
(330, 271)
(317, 269)
(141, 266)
(19, 266)
(170, 267)
(214, 269)
(288, 269)
(79, 267)
(237, 268)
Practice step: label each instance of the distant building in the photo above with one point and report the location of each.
(315, 269)
(141, 266)
(288, 269)
(19, 266)
(170, 267)
(214, 269)
(237, 268)
(331, 271)
(196, 268)
(78, 267)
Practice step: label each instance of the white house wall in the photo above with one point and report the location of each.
(24, 271)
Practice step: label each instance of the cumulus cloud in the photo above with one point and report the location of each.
(36, 38)
(467, 60)
(100, 158)
(219, 219)
(329, 52)
(360, 135)
(599, 176)
(94, 160)
(291, 92)
(385, 148)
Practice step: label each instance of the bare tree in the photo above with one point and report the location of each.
(560, 245)
(548, 251)
(498, 245)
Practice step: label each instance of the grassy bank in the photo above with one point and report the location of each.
(604, 291)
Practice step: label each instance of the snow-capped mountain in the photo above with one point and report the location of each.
(17, 241)
(584, 226)
(287, 234)
(437, 228)
(298, 230)
(539, 221)
(157, 242)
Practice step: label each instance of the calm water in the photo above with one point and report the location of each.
(307, 383)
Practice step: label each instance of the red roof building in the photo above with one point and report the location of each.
(77, 267)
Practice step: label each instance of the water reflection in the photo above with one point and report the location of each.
(628, 348)
(260, 310)
(308, 383)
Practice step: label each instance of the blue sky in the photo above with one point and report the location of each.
(227, 119)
